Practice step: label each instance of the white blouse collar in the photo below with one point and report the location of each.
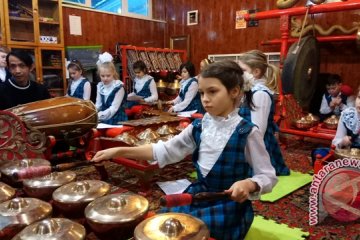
(232, 117)
(106, 89)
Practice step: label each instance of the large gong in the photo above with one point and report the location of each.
(301, 69)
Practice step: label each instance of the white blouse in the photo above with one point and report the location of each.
(2, 74)
(326, 109)
(180, 105)
(139, 84)
(216, 132)
(106, 90)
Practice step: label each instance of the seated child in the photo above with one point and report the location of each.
(224, 147)
(110, 92)
(189, 97)
(333, 101)
(144, 85)
(4, 72)
(347, 133)
(79, 86)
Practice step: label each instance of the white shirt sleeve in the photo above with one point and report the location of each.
(154, 94)
(341, 132)
(176, 100)
(259, 159)
(98, 98)
(87, 91)
(110, 112)
(261, 111)
(325, 108)
(189, 96)
(176, 149)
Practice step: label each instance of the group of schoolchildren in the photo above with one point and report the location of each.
(112, 99)
(233, 146)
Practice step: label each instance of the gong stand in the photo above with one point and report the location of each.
(287, 103)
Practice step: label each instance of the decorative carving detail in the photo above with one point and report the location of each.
(18, 140)
(296, 28)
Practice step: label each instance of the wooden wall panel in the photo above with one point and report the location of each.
(108, 29)
(216, 33)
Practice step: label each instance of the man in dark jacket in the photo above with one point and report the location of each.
(19, 89)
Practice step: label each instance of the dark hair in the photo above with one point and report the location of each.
(76, 64)
(189, 66)
(22, 55)
(140, 65)
(333, 79)
(229, 74)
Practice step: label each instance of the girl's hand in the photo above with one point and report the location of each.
(171, 110)
(105, 155)
(346, 141)
(240, 190)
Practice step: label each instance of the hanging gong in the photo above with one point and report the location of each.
(301, 69)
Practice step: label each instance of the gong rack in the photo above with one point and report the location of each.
(288, 102)
(155, 59)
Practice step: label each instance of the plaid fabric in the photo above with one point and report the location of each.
(145, 91)
(226, 219)
(271, 144)
(79, 91)
(120, 115)
(195, 103)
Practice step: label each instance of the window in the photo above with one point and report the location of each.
(113, 6)
(136, 8)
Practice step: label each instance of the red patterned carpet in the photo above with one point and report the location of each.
(291, 210)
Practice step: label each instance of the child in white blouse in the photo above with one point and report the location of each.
(144, 85)
(261, 110)
(347, 133)
(4, 73)
(79, 86)
(225, 148)
(110, 92)
(188, 98)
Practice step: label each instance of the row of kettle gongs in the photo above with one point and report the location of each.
(106, 215)
(70, 200)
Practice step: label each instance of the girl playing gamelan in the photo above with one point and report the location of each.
(224, 147)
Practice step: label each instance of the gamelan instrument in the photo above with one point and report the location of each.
(62, 117)
(116, 214)
(301, 69)
(18, 213)
(175, 226)
(174, 200)
(53, 228)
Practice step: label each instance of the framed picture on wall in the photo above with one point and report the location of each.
(192, 17)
